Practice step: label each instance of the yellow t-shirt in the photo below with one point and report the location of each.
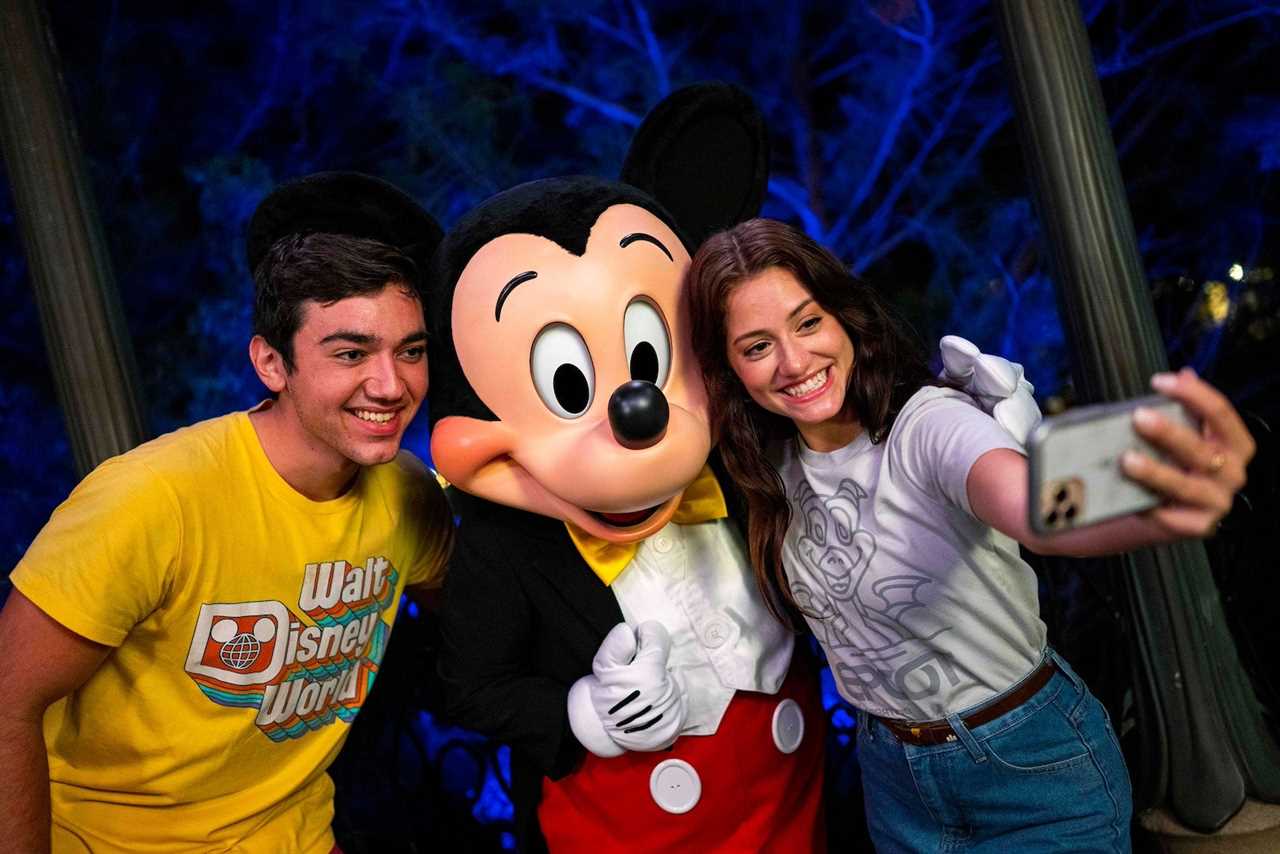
(248, 624)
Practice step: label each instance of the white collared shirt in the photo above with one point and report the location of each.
(696, 581)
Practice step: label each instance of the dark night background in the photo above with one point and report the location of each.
(892, 143)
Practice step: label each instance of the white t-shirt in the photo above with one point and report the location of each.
(921, 608)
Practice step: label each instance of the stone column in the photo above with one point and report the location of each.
(70, 270)
(1205, 748)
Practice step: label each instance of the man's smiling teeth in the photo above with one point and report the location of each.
(812, 384)
(375, 417)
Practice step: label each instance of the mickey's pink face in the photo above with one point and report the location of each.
(546, 338)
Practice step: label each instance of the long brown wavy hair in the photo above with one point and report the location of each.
(889, 366)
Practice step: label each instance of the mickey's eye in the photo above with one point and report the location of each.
(562, 370)
(648, 345)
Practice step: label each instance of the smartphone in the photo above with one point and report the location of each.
(1074, 464)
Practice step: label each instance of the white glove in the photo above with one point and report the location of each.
(630, 701)
(997, 384)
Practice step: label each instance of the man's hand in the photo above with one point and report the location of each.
(630, 701)
(40, 662)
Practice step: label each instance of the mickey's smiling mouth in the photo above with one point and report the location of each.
(626, 527)
(626, 520)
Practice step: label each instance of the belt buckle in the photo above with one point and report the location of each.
(929, 733)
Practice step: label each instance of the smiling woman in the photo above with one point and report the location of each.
(887, 509)
(797, 365)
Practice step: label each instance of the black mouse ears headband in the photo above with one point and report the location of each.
(703, 153)
(349, 203)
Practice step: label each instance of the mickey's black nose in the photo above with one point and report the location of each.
(638, 414)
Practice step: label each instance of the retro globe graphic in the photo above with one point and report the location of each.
(239, 649)
(240, 652)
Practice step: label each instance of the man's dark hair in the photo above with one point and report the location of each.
(324, 268)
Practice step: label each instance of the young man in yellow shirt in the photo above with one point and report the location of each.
(191, 634)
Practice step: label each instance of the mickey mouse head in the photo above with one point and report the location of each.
(563, 377)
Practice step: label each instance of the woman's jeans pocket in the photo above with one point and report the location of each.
(1045, 741)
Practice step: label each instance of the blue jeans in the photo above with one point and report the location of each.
(1047, 776)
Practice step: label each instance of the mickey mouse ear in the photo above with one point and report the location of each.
(349, 203)
(702, 152)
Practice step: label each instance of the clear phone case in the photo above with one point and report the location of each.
(1075, 464)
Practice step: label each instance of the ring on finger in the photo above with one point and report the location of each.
(1216, 462)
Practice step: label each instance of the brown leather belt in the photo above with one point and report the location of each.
(940, 732)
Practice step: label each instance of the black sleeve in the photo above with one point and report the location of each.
(493, 681)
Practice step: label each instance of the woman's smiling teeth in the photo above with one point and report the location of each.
(812, 384)
(375, 417)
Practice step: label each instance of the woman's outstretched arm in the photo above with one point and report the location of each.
(1198, 485)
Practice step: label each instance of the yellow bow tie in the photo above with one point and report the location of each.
(702, 501)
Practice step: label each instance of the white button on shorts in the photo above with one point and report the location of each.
(788, 726)
(675, 786)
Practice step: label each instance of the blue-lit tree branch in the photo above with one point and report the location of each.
(652, 48)
(1129, 36)
(608, 109)
(267, 94)
(1121, 62)
(1152, 106)
(795, 199)
(618, 34)
(397, 45)
(941, 192)
(889, 136)
(876, 225)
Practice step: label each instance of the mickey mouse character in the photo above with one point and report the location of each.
(600, 612)
(600, 603)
